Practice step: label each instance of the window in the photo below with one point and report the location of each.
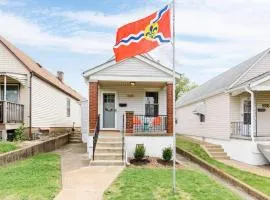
(202, 118)
(68, 107)
(151, 104)
(12, 93)
(247, 112)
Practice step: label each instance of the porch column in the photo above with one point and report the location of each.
(253, 113)
(170, 109)
(5, 101)
(93, 106)
(129, 122)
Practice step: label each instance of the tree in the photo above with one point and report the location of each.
(183, 85)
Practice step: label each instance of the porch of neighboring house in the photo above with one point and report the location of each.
(250, 115)
(11, 108)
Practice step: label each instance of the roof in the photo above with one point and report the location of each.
(39, 71)
(220, 83)
(143, 57)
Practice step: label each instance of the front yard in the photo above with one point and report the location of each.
(148, 183)
(7, 146)
(261, 183)
(36, 178)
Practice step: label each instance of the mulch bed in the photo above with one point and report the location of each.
(151, 162)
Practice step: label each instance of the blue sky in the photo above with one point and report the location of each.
(73, 36)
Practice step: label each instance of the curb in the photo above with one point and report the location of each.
(248, 189)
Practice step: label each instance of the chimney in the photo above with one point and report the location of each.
(60, 76)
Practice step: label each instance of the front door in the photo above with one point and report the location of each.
(109, 110)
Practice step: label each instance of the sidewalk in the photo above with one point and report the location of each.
(81, 181)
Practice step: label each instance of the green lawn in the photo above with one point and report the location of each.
(36, 178)
(7, 146)
(259, 182)
(148, 184)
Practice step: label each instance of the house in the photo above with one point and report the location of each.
(31, 95)
(231, 110)
(132, 100)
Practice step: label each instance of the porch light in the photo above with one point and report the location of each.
(132, 84)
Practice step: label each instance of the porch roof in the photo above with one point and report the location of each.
(14, 78)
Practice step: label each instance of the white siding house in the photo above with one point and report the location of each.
(235, 106)
(132, 98)
(32, 96)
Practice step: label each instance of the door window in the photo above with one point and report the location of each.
(247, 112)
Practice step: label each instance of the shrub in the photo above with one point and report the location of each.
(167, 154)
(19, 133)
(139, 152)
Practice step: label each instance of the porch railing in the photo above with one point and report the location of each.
(95, 137)
(11, 112)
(239, 129)
(150, 124)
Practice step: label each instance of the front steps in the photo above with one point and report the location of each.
(108, 150)
(216, 151)
(75, 137)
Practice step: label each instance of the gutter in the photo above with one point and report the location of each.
(30, 106)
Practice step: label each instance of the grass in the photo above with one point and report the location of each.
(7, 146)
(36, 178)
(261, 183)
(148, 184)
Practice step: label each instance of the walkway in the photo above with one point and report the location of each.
(81, 181)
(260, 170)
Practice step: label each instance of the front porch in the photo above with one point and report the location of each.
(12, 110)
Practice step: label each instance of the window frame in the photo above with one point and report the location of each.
(10, 84)
(202, 118)
(147, 106)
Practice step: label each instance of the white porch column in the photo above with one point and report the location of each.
(5, 100)
(253, 128)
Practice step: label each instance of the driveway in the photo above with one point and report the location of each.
(81, 181)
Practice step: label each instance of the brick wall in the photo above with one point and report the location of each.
(170, 108)
(93, 105)
(129, 122)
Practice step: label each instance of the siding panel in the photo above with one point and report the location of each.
(49, 107)
(217, 119)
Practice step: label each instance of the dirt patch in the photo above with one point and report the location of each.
(152, 162)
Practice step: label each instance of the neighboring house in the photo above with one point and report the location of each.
(232, 110)
(133, 97)
(31, 95)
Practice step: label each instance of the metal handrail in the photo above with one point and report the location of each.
(95, 137)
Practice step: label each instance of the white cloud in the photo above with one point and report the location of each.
(34, 35)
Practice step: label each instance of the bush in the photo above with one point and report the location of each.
(139, 152)
(19, 133)
(167, 154)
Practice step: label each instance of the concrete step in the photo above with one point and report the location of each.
(222, 158)
(218, 154)
(212, 146)
(109, 144)
(108, 150)
(109, 139)
(107, 163)
(215, 150)
(71, 140)
(108, 156)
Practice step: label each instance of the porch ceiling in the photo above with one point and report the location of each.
(14, 79)
(128, 84)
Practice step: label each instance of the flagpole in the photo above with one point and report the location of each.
(174, 138)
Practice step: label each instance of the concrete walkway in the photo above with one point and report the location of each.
(81, 181)
(260, 170)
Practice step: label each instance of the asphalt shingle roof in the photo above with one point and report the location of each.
(220, 83)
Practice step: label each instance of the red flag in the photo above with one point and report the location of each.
(143, 35)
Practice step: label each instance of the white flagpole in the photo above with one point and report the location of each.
(174, 138)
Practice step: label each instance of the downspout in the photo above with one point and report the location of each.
(253, 109)
(30, 106)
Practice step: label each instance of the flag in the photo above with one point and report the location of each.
(143, 35)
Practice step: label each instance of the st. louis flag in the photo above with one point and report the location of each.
(143, 35)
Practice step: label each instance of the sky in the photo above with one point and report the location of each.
(73, 36)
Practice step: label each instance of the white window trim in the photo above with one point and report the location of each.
(16, 84)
